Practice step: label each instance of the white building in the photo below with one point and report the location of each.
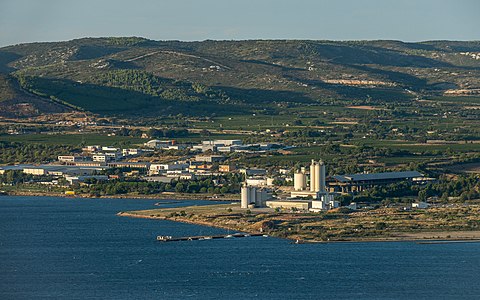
(256, 181)
(100, 158)
(222, 142)
(164, 168)
(159, 143)
(131, 152)
(110, 149)
(93, 148)
(420, 205)
(70, 158)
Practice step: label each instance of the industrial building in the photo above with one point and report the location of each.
(290, 204)
(131, 152)
(254, 172)
(132, 165)
(210, 158)
(253, 196)
(317, 182)
(70, 158)
(316, 196)
(159, 144)
(259, 181)
(359, 182)
(53, 170)
(156, 169)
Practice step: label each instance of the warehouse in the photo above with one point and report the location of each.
(359, 182)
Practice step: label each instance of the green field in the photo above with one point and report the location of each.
(73, 139)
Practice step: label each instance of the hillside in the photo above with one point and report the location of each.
(140, 77)
(15, 102)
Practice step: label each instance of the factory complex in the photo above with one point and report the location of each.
(307, 188)
(312, 192)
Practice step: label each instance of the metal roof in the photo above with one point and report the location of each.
(378, 176)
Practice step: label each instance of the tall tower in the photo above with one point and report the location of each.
(322, 178)
(317, 177)
(313, 178)
(244, 198)
(299, 182)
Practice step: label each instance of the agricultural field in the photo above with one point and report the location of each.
(72, 139)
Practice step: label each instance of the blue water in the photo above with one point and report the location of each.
(57, 248)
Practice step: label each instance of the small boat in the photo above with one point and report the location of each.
(265, 235)
(164, 237)
(229, 236)
(207, 238)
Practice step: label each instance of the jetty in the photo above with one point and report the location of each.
(168, 238)
(450, 241)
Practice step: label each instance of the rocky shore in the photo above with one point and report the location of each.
(381, 225)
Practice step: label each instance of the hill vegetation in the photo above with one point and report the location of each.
(139, 77)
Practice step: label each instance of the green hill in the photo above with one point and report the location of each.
(15, 102)
(139, 77)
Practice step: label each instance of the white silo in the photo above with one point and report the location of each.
(299, 183)
(322, 177)
(312, 176)
(317, 177)
(244, 198)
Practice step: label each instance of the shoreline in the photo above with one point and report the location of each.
(423, 237)
(438, 237)
(185, 221)
(169, 196)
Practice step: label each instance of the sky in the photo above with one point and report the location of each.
(23, 21)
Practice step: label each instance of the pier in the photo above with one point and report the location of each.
(167, 238)
(449, 241)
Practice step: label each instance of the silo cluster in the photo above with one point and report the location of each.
(317, 178)
(253, 195)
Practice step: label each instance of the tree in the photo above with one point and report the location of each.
(179, 187)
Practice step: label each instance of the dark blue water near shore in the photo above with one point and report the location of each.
(56, 248)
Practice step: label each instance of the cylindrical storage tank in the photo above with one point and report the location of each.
(312, 176)
(322, 177)
(244, 197)
(259, 198)
(270, 181)
(253, 195)
(299, 181)
(317, 177)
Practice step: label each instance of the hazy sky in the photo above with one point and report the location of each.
(408, 20)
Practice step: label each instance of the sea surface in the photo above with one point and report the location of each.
(61, 248)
